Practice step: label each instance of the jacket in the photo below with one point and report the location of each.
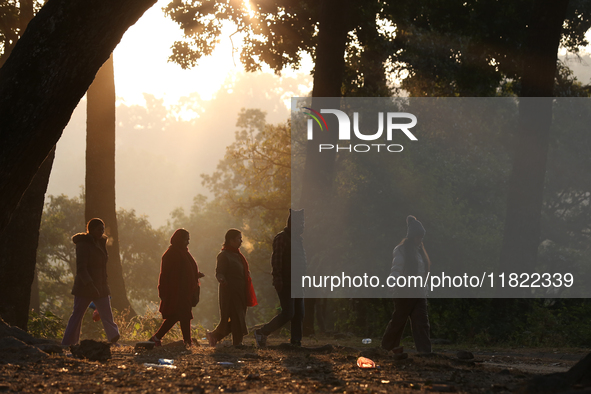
(91, 267)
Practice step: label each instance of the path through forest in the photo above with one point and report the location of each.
(319, 366)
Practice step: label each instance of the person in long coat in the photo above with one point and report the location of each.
(90, 282)
(235, 291)
(178, 287)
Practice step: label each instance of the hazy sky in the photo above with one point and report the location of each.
(174, 124)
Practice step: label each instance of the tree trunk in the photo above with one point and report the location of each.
(374, 55)
(328, 80)
(46, 75)
(524, 199)
(319, 168)
(100, 173)
(18, 249)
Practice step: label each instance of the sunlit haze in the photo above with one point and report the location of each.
(141, 62)
(172, 124)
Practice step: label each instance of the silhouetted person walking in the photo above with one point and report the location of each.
(178, 287)
(288, 249)
(235, 291)
(410, 258)
(90, 283)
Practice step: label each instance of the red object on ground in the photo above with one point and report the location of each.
(365, 363)
(96, 316)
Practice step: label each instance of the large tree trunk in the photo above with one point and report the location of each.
(319, 168)
(328, 80)
(100, 173)
(18, 250)
(524, 200)
(18, 245)
(46, 75)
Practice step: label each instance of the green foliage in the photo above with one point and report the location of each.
(56, 254)
(45, 325)
(253, 178)
(141, 327)
(141, 248)
(10, 25)
(472, 46)
(480, 322)
(515, 322)
(361, 316)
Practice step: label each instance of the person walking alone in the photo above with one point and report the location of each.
(410, 258)
(90, 282)
(288, 249)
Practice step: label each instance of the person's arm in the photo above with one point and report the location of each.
(277, 261)
(165, 281)
(221, 268)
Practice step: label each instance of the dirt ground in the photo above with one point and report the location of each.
(319, 366)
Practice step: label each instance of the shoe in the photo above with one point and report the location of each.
(115, 339)
(398, 350)
(260, 338)
(188, 344)
(157, 342)
(211, 339)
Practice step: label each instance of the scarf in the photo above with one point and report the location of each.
(251, 298)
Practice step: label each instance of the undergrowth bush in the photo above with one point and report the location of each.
(134, 329)
(45, 325)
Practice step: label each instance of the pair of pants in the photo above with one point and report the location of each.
(292, 309)
(103, 306)
(230, 327)
(167, 324)
(416, 310)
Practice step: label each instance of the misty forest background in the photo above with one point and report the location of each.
(460, 190)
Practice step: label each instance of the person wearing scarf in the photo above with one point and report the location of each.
(235, 291)
(178, 287)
